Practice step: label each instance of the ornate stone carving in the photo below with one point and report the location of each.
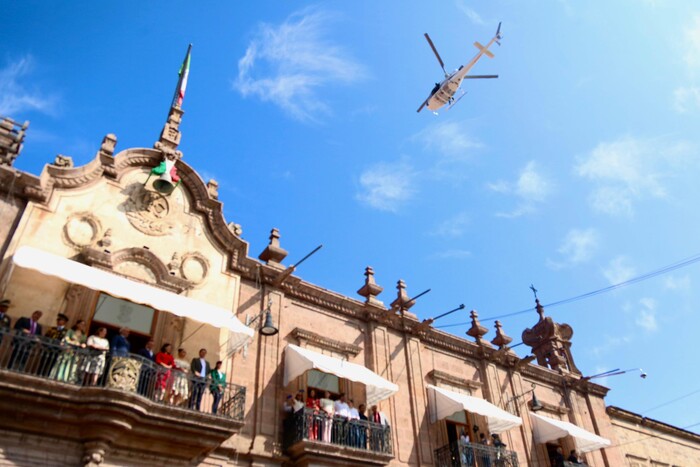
(81, 230)
(213, 188)
(94, 453)
(174, 264)
(194, 267)
(236, 229)
(109, 142)
(65, 162)
(477, 331)
(324, 342)
(551, 343)
(124, 373)
(501, 340)
(11, 138)
(148, 211)
(106, 240)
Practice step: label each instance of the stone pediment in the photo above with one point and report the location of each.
(202, 199)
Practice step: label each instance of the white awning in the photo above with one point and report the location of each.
(548, 429)
(137, 292)
(445, 403)
(297, 361)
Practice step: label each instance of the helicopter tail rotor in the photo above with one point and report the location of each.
(442, 65)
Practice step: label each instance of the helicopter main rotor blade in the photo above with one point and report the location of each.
(427, 37)
(480, 76)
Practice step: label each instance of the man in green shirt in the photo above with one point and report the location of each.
(218, 383)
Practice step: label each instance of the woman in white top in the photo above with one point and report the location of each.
(181, 385)
(327, 407)
(95, 364)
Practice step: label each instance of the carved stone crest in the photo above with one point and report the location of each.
(194, 267)
(148, 211)
(124, 373)
(81, 230)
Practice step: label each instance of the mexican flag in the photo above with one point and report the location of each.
(182, 82)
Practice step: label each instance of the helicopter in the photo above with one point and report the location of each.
(443, 92)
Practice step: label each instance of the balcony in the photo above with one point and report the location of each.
(121, 404)
(458, 454)
(310, 438)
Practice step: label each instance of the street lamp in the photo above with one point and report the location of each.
(535, 405)
(268, 327)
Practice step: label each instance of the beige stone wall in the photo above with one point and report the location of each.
(644, 444)
(78, 218)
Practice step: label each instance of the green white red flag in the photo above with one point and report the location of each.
(182, 82)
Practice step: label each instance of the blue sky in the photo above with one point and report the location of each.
(575, 170)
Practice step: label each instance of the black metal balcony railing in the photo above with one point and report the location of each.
(49, 359)
(457, 454)
(307, 424)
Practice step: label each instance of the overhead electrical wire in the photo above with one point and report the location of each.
(666, 269)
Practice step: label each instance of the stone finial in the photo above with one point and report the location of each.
(106, 240)
(501, 340)
(370, 290)
(477, 331)
(63, 161)
(11, 138)
(170, 136)
(402, 301)
(213, 188)
(235, 228)
(273, 254)
(109, 142)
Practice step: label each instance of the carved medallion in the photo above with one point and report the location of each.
(148, 211)
(82, 229)
(194, 267)
(124, 373)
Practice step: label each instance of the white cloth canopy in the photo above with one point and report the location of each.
(298, 360)
(445, 403)
(548, 429)
(137, 292)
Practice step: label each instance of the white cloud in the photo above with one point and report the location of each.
(530, 188)
(450, 140)
(452, 254)
(14, 95)
(646, 317)
(473, 16)
(619, 270)
(387, 186)
(677, 283)
(576, 248)
(692, 43)
(453, 227)
(629, 170)
(686, 98)
(608, 344)
(289, 64)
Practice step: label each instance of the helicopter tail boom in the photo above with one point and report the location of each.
(483, 49)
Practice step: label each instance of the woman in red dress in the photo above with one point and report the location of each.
(166, 362)
(313, 403)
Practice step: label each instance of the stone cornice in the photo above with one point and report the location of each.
(326, 342)
(617, 412)
(443, 377)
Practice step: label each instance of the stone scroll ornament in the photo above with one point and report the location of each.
(168, 178)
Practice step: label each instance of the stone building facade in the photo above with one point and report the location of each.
(107, 216)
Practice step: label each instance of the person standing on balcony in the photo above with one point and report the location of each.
(200, 370)
(69, 360)
(181, 382)
(164, 382)
(342, 412)
(23, 347)
(328, 408)
(314, 406)
(218, 383)
(95, 364)
(353, 424)
(5, 320)
(51, 353)
(573, 457)
(120, 344)
(147, 375)
(362, 441)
